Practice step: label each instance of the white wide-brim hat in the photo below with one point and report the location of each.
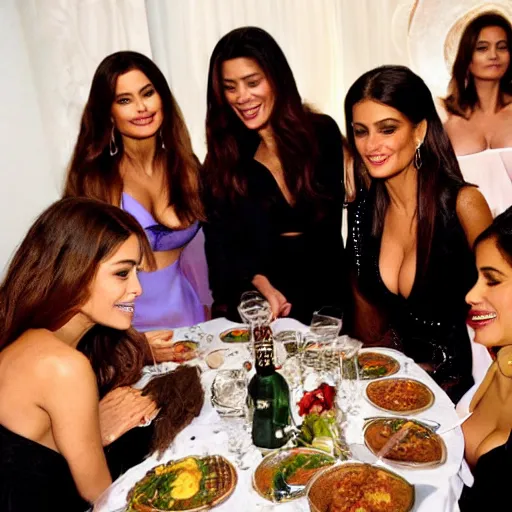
(435, 28)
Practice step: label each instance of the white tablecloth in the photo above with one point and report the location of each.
(437, 490)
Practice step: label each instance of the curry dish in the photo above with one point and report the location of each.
(400, 395)
(357, 487)
(420, 445)
(367, 489)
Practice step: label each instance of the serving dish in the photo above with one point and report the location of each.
(190, 484)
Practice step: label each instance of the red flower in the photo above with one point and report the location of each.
(318, 400)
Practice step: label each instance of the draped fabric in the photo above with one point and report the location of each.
(328, 44)
(50, 49)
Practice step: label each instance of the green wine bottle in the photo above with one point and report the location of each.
(269, 394)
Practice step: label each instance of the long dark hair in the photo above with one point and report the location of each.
(48, 280)
(398, 87)
(501, 231)
(94, 173)
(462, 96)
(227, 137)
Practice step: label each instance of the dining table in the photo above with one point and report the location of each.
(436, 489)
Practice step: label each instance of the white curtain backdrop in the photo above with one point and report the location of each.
(328, 44)
(49, 50)
(66, 40)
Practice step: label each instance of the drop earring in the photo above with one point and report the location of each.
(162, 139)
(417, 157)
(112, 145)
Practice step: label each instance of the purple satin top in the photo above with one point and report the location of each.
(161, 238)
(168, 299)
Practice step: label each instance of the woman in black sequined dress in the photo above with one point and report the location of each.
(412, 226)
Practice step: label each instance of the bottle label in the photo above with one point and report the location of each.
(264, 346)
(262, 405)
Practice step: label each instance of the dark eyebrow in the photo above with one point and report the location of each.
(140, 91)
(126, 262)
(488, 42)
(381, 121)
(252, 75)
(491, 269)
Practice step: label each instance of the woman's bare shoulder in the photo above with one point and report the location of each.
(46, 355)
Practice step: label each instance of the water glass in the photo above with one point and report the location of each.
(229, 393)
(325, 326)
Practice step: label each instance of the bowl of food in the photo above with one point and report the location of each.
(420, 447)
(236, 335)
(283, 475)
(183, 351)
(354, 486)
(374, 365)
(191, 484)
(399, 395)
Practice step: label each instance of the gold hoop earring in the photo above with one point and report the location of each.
(112, 145)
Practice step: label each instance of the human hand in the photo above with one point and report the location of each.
(278, 303)
(160, 343)
(121, 410)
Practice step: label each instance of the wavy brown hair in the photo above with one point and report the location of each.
(229, 140)
(94, 173)
(462, 97)
(48, 280)
(398, 87)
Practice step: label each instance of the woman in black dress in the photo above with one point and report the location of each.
(488, 432)
(412, 226)
(66, 305)
(273, 181)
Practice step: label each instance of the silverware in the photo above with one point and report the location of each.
(458, 423)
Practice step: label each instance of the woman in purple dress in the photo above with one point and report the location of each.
(134, 150)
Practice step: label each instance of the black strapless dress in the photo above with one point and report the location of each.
(430, 324)
(493, 474)
(34, 477)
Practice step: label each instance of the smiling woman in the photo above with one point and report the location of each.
(133, 151)
(488, 432)
(66, 307)
(273, 184)
(411, 227)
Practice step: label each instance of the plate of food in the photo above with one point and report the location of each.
(190, 484)
(374, 365)
(283, 475)
(236, 335)
(399, 395)
(421, 447)
(182, 351)
(351, 486)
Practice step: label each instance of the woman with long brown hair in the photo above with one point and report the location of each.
(273, 184)
(479, 107)
(134, 151)
(412, 226)
(66, 306)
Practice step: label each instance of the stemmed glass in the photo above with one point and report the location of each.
(255, 311)
(349, 383)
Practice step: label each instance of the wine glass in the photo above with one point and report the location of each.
(255, 311)
(349, 383)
